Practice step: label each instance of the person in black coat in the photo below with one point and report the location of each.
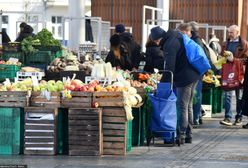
(119, 56)
(185, 76)
(154, 56)
(5, 37)
(26, 32)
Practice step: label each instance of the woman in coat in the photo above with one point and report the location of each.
(154, 56)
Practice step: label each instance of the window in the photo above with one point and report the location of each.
(5, 19)
(57, 26)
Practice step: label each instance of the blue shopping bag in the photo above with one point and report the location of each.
(196, 56)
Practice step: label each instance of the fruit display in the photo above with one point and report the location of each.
(210, 78)
(50, 86)
(10, 63)
(143, 77)
(25, 85)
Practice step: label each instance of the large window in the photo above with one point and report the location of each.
(57, 26)
(5, 22)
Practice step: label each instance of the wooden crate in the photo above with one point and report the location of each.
(14, 99)
(40, 135)
(109, 99)
(85, 131)
(37, 100)
(114, 131)
(78, 100)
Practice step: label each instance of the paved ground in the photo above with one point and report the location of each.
(214, 146)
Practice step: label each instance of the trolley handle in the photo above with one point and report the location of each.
(171, 75)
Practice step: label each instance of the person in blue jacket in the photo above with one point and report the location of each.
(185, 76)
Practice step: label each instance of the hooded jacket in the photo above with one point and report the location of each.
(27, 31)
(176, 60)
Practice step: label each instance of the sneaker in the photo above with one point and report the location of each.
(238, 122)
(200, 121)
(245, 126)
(226, 121)
(188, 140)
(182, 140)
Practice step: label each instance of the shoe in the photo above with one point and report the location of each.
(245, 126)
(203, 112)
(188, 140)
(226, 121)
(196, 123)
(182, 140)
(238, 122)
(200, 121)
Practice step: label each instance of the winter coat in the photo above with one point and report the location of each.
(27, 31)
(154, 58)
(5, 37)
(176, 60)
(241, 51)
(123, 63)
(133, 48)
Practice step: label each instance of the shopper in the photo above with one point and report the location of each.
(119, 56)
(214, 44)
(5, 37)
(239, 50)
(185, 28)
(185, 76)
(154, 56)
(134, 48)
(26, 32)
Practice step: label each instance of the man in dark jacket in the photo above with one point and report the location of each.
(185, 76)
(26, 32)
(239, 51)
(5, 37)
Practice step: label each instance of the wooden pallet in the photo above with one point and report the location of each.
(78, 100)
(14, 99)
(37, 100)
(85, 131)
(109, 99)
(114, 131)
(40, 135)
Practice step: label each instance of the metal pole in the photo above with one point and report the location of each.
(99, 37)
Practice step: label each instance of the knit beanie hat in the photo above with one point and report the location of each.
(120, 28)
(156, 33)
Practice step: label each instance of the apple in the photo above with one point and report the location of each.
(95, 104)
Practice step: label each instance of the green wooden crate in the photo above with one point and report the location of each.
(11, 130)
(8, 71)
(11, 54)
(207, 95)
(129, 136)
(39, 57)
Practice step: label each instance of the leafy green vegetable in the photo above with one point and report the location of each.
(46, 38)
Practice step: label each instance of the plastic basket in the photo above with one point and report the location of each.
(40, 57)
(8, 71)
(11, 131)
(129, 136)
(18, 55)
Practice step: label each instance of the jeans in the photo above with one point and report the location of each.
(198, 101)
(228, 104)
(185, 108)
